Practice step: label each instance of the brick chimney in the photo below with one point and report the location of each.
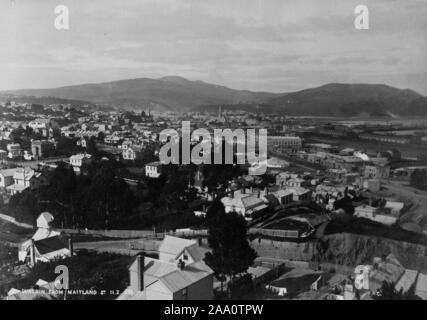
(181, 264)
(137, 275)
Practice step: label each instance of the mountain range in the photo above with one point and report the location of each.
(179, 94)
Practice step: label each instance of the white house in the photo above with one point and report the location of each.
(284, 196)
(25, 178)
(394, 207)
(79, 160)
(48, 249)
(179, 274)
(44, 126)
(6, 178)
(376, 214)
(14, 150)
(244, 202)
(153, 169)
(46, 244)
(131, 152)
(295, 182)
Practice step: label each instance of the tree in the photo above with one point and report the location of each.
(227, 236)
(91, 146)
(418, 179)
(101, 137)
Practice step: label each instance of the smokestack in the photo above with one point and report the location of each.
(70, 246)
(32, 253)
(137, 275)
(181, 264)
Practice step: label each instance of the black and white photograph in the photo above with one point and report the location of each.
(258, 151)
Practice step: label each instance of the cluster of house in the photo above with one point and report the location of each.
(251, 202)
(179, 273)
(386, 212)
(348, 164)
(16, 180)
(324, 189)
(47, 128)
(368, 280)
(38, 149)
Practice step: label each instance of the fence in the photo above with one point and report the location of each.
(186, 233)
(126, 234)
(275, 233)
(183, 233)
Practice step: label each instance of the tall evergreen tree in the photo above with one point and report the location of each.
(227, 236)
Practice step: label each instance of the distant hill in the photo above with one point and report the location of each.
(179, 94)
(247, 107)
(168, 93)
(352, 100)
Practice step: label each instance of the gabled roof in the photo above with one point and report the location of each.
(282, 193)
(171, 276)
(251, 200)
(135, 148)
(158, 268)
(154, 164)
(7, 172)
(180, 279)
(175, 246)
(47, 216)
(298, 190)
(25, 174)
(389, 270)
(421, 286)
(50, 244)
(195, 252)
(80, 156)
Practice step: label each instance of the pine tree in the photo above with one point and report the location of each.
(227, 236)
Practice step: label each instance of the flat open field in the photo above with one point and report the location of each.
(415, 218)
(407, 150)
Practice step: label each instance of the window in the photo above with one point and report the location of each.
(184, 294)
(185, 256)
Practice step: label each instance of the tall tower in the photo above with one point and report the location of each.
(219, 112)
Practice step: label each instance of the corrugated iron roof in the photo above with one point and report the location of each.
(175, 246)
(51, 244)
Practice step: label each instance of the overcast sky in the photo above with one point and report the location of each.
(271, 45)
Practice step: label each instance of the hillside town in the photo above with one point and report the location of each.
(235, 156)
(315, 197)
